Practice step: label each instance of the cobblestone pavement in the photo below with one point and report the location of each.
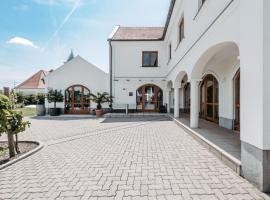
(120, 159)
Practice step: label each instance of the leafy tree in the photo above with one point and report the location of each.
(15, 125)
(100, 98)
(5, 105)
(55, 96)
(11, 123)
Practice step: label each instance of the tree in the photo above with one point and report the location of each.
(55, 96)
(11, 123)
(100, 98)
(15, 125)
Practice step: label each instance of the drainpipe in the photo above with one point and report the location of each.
(111, 62)
(110, 44)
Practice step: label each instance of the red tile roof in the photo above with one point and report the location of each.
(138, 33)
(34, 82)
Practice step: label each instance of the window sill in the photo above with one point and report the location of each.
(145, 66)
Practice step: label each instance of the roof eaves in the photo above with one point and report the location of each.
(168, 18)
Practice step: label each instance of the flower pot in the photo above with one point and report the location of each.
(55, 111)
(40, 110)
(99, 113)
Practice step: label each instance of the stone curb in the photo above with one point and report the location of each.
(226, 158)
(38, 148)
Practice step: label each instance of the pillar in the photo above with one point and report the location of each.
(182, 100)
(194, 107)
(168, 94)
(176, 102)
(255, 92)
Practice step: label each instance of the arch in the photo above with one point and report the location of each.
(149, 98)
(178, 81)
(214, 55)
(77, 100)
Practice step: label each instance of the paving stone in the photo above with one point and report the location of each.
(119, 159)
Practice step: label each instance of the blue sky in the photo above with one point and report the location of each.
(38, 34)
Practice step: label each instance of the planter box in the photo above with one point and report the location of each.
(40, 110)
(99, 113)
(55, 111)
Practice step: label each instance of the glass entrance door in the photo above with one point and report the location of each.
(149, 98)
(77, 100)
(209, 98)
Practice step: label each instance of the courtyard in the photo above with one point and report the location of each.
(119, 158)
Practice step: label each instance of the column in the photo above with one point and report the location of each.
(176, 102)
(168, 93)
(255, 92)
(182, 100)
(194, 107)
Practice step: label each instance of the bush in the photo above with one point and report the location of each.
(40, 99)
(30, 99)
(20, 98)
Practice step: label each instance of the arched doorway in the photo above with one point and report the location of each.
(149, 98)
(77, 100)
(237, 101)
(209, 99)
(187, 98)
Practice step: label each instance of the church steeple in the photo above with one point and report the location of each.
(71, 56)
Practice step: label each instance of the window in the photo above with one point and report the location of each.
(181, 30)
(170, 51)
(150, 59)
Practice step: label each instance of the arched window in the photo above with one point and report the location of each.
(149, 98)
(77, 100)
(209, 99)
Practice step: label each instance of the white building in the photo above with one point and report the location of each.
(77, 78)
(33, 85)
(193, 65)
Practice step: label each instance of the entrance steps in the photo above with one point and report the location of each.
(134, 115)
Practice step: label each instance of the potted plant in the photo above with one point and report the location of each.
(55, 96)
(40, 108)
(99, 99)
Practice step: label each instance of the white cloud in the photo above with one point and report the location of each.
(22, 42)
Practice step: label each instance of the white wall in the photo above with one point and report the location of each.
(78, 72)
(127, 59)
(30, 91)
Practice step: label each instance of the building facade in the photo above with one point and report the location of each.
(33, 85)
(77, 78)
(194, 65)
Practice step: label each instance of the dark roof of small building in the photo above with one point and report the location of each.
(138, 33)
(36, 81)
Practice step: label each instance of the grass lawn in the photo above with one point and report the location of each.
(27, 111)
